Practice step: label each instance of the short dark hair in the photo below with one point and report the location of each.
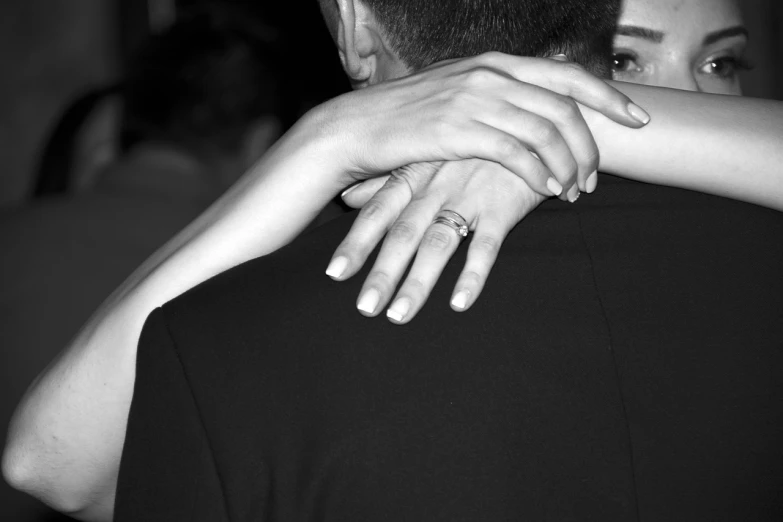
(423, 32)
(201, 83)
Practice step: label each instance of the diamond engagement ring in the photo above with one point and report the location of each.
(454, 221)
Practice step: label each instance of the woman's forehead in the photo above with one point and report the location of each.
(675, 15)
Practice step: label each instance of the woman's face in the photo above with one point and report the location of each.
(696, 45)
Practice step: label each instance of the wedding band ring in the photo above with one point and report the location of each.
(454, 221)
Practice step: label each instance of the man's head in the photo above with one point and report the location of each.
(381, 39)
(210, 85)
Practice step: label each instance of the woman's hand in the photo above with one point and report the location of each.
(519, 112)
(491, 199)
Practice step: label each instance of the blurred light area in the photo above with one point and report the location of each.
(162, 14)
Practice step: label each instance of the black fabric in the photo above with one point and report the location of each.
(182, 481)
(623, 363)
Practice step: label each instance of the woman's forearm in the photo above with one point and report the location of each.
(62, 445)
(724, 145)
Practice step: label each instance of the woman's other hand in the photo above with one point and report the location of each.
(519, 112)
(490, 198)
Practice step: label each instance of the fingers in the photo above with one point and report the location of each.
(368, 229)
(557, 134)
(569, 79)
(564, 113)
(600, 96)
(437, 114)
(359, 194)
(490, 143)
(497, 200)
(439, 243)
(544, 122)
(399, 247)
(482, 254)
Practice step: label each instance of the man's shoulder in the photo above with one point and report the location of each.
(289, 288)
(269, 298)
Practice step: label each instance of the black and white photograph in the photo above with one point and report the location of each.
(391, 260)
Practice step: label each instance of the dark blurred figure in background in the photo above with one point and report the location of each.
(201, 102)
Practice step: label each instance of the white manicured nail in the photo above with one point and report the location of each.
(573, 194)
(369, 301)
(638, 113)
(461, 299)
(399, 309)
(592, 182)
(349, 189)
(337, 267)
(554, 187)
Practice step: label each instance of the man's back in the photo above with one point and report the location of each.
(624, 358)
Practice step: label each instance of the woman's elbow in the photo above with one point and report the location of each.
(25, 470)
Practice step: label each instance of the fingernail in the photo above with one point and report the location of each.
(337, 267)
(399, 309)
(560, 57)
(346, 191)
(369, 301)
(592, 182)
(461, 299)
(638, 113)
(554, 187)
(573, 194)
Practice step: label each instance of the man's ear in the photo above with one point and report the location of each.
(362, 48)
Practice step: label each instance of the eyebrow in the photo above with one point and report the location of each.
(643, 32)
(725, 33)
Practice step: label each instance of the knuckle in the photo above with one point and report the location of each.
(442, 125)
(574, 70)
(373, 210)
(572, 169)
(402, 232)
(506, 147)
(437, 239)
(493, 56)
(471, 278)
(487, 244)
(379, 279)
(592, 158)
(462, 100)
(492, 59)
(480, 77)
(544, 134)
(415, 285)
(565, 108)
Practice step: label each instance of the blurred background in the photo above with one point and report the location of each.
(54, 51)
(65, 63)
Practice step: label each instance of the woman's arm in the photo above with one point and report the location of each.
(723, 145)
(66, 437)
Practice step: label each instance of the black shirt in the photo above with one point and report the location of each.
(624, 362)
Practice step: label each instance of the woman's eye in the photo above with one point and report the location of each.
(623, 62)
(725, 67)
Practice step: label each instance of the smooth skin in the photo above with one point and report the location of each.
(66, 438)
